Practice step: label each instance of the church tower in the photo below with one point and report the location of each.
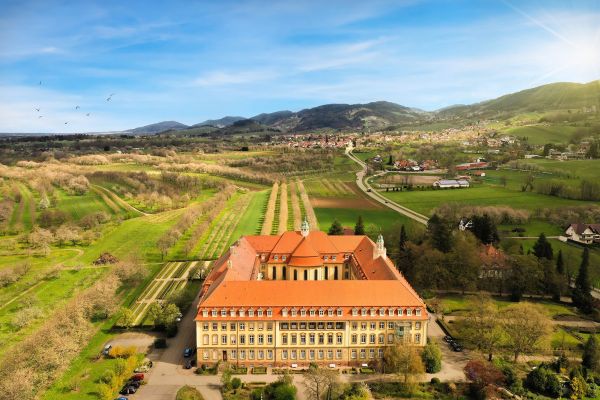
(305, 228)
(380, 250)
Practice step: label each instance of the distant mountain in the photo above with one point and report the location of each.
(551, 97)
(157, 128)
(272, 118)
(220, 123)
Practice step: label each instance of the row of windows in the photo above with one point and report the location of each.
(382, 324)
(233, 339)
(233, 354)
(284, 326)
(325, 257)
(312, 312)
(313, 339)
(242, 326)
(315, 274)
(294, 354)
(301, 354)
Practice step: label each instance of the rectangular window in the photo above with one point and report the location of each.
(215, 339)
(232, 326)
(418, 312)
(223, 313)
(303, 338)
(284, 355)
(372, 338)
(261, 354)
(408, 311)
(330, 325)
(261, 339)
(330, 338)
(250, 339)
(417, 325)
(371, 353)
(339, 312)
(205, 355)
(363, 353)
(321, 354)
(363, 338)
(390, 325)
(354, 339)
(233, 339)
(390, 338)
(418, 338)
(242, 326)
(213, 313)
(215, 326)
(269, 354)
(260, 313)
(354, 326)
(269, 326)
(363, 325)
(205, 326)
(251, 354)
(381, 338)
(284, 338)
(294, 326)
(303, 354)
(302, 325)
(380, 353)
(284, 326)
(338, 354)
(311, 354)
(251, 326)
(242, 354)
(321, 313)
(312, 326)
(233, 354)
(311, 338)
(382, 325)
(294, 339)
(224, 327)
(303, 313)
(294, 354)
(330, 354)
(224, 339)
(330, 313)
(260, 326)
(373, 325)
(242, 339)
(269, 339)
(339, 338)
(321, 338)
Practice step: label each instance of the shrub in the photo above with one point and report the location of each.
(188, 393)
(160, 343)
(122, 351)
(543, 380)
(236, 383)
(432, 358)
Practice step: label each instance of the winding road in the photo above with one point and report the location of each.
(363, 184)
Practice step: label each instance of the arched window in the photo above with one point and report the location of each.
(335, 273)
(284, 273)
(295, 275)
(274, 273)
(316, 274)
(305, 274)
(326, 273)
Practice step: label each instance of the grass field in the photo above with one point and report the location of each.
(80, 206)
(250, 222)
(580, 168)
(425, 201)
(375, 220)
(539, 134)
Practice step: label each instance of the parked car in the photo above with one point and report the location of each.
(188, 352)
(179, 317)
(135, 384)
(369, 189)
(128, 390)
(448, 339)
(137, 377)
(456, 346)
(188, 363)
(121, 398)
(106, 349)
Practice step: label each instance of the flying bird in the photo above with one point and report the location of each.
(66, 122)
(37, 109)
(77, 107)
(109, 97)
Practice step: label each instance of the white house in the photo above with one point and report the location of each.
(451, 183)
(583, 233)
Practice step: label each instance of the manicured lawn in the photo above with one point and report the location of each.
(532, 228)
(582, 168)
(425, 201)
(375, 220)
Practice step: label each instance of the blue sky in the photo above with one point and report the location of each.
(190, 61)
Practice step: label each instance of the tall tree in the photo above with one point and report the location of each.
(527, 328)
(403, 238)
(336, 228)
(591, 354)
(524, 273)
(485, 229)
(560, 264)
(320, 382)
(482, 326)
(359, 228)
(582, 293)
(404, 360)
(440, 233)
(542, 248)
(463, 261)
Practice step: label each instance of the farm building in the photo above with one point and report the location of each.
(583, 233)
(302, 297)
(451, 183)
(473, 165)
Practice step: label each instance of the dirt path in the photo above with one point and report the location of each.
(310, 212)
(115, 198)
(295, 206)
(283, 209)
(270, 214)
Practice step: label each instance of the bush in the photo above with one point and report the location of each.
(544, 381)
(122, 351)
(432, 358)
(160, 343)
(236, 383)
(435, 381)
(188, 393)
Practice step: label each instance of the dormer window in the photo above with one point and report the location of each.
(382, 312)
(283, 258)
(312, 312)
(251, 312)
(232, 312)
(242, 312)
(321, 312)
(260, 312)
(373, 312)
(400, 312)
(418, 312)
(223, 312)
(333, 257)
(205, 313)
(214, 313)
(346, 256)
(391, 312)
(303, 312)
(339, 312)
(276, 257)
(330, 312)
(325, 258)
(269, 312)
(354, 312)
(284, 312)
(294, 312)
(408, 311)
(363, 312)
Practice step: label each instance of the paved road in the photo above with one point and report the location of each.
(372, 193)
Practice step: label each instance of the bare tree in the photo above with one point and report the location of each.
(320, 382)
(527, 327)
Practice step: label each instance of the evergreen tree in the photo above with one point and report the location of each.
(582, 296)
(485, 229)
(336, 228)
(440, 234)
(542, 248)
(560, 264)
(591, 354)
(390, 160)
(403, 238)
(359, 228)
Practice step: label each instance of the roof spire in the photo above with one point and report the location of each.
(305, 228)
(380, 249)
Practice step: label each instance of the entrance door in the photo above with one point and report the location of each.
(224, 355)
